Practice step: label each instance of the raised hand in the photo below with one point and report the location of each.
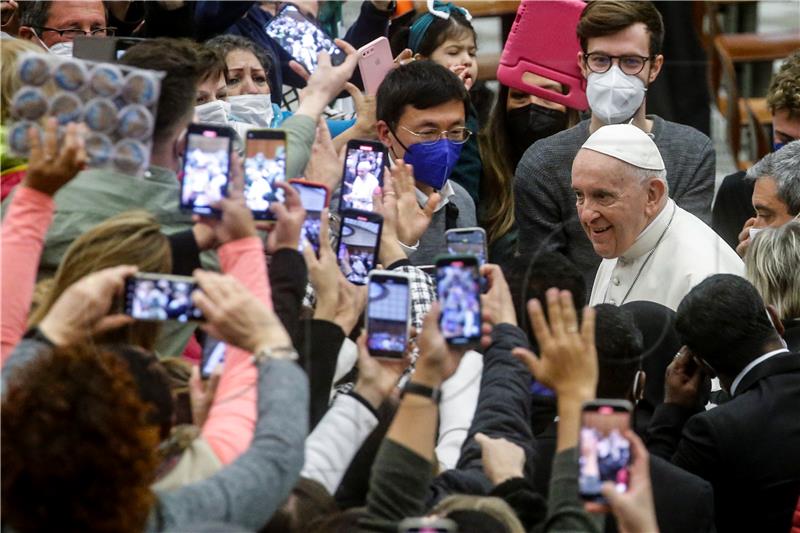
(502, 459)
(377, 378)
(290, 217)
(415, 219)
(51, 164)
(325, 164)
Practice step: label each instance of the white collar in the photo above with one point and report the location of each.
(446, 192)
(650, 235)
(752, 365)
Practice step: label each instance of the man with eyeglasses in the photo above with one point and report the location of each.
(54, 25)
(621, 57)
(421, 109)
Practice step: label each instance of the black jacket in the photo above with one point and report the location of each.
(748, 448)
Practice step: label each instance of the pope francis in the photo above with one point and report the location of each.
(651, 248)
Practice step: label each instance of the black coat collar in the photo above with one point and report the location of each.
(780, 364)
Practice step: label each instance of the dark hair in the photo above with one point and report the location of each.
(607, 17)
(530, 276)
(153, 385)
(34, 13)
(78, 453)
(420, 84)
(723, 320)
(437, 33)
(308, 501)
(186, 64)
(470, 521)
(619, 350)
(225, 44)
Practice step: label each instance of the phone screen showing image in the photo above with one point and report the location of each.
(314, 200)
(206, 169)
(605, 452)
(358, 243)
(302, 39)
(212, 357)
(467, 243)
(264, 166)
(459, 288)
(387, 316)
(363, 173)
(161, 298)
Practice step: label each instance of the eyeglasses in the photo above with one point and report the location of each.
(630, 65)
(458, 135)
(71, 33)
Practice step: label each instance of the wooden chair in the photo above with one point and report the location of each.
(752, 113)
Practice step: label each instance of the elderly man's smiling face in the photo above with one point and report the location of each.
(613, 205)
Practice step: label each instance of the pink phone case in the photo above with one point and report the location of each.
(543, 41)
(375, 61)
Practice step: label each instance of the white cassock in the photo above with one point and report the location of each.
(671, 255)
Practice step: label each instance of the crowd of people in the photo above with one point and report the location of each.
(616, 276)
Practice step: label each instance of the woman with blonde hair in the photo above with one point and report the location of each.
(772, 264)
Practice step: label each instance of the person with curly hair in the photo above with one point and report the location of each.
(79, 447)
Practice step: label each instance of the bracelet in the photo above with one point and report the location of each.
(422, 390)
(281, 352)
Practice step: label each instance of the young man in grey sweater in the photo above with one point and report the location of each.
(421, 112)
(620, 57)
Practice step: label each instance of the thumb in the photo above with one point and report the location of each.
(279, 210)
(108, 323)
(610, 493)
(529, 359)
(482, 439)
(195, 383)
(432, 204)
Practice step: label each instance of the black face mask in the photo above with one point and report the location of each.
(528, 124)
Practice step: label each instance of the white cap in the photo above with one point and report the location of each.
(627, 143)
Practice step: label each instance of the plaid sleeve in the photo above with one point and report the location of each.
(421, 291)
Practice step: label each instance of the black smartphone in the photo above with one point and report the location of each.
(605, 453)
(363, 172)
(387, 314)
(467, 241)
(314, 197)
(206, 167)
(458, 286)
(359, 239)
(264, 167)
(159, 297)
(213, 356)
(301, 38)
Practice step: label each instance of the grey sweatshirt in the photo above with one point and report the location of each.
(545, 202)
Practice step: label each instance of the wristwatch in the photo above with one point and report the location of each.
(281, 352)
(422, 390)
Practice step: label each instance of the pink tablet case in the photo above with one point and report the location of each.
(543, 41)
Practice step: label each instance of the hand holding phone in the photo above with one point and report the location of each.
(301, 38)
(314, 197)
(467, 241)
(206, 167)
(359, 239)
(375, 61)
(161, 297)
(388, 314)
(458, 287)
(264, 168)
(605, 453)
(364, 164)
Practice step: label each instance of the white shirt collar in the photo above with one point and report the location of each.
(752, 365)
(650, 235)
(447, 192)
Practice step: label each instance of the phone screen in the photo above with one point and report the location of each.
(153, 297)
(205, 170)
(363, 173)
(302, 39)
(458, 287)
(471, 242)
(605, 452)
(358, 242)
(212, 358)
(314, 200)
(387, 316)
(264, 166)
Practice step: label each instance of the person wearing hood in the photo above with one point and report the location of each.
(620, 57)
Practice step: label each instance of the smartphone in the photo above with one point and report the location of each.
(314, 197)
(427, 525)
(388, 314)
(159, 297)
(264, 167)
(467, 241)
(605, 454)
(375, 61)
(102, 49)
(206, 167)
(458, 285)
(301, 38)
(213, 355)
(364, 163)
(359, 239)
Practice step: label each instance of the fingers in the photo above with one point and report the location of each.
(431, 205)
(346, 47)
(568, 314)
(111, 322)
(215, 286)
(611, 495)
(324, 234)
(587, 326)
(640, 469)
(206, 305)
(482, 439)
(324, 132)
(50, 139)
(299, 69)
(309, 255)
(541, 330)
(35, 144)
(554, 312)
(529, 359)
(405, 57)
(355, 94)
(112, 280)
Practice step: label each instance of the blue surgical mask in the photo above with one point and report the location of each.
(433, 163)
(777, 146)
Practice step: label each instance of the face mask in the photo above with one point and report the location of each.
(528, 124)
(754, 231)
(255, 109)
(63, 48)
(433, 163)
(614, 97)
(214, 112)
